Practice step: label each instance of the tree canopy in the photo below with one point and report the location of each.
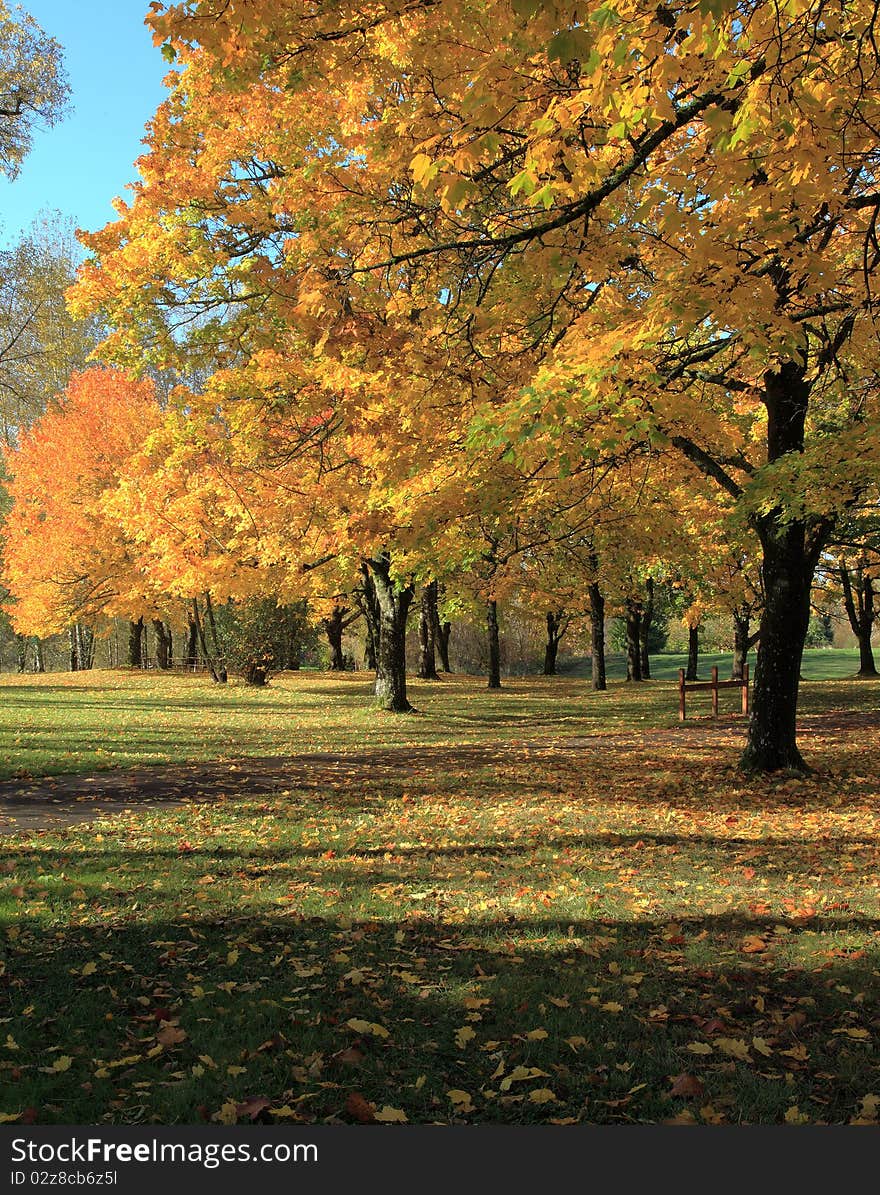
(547, 237)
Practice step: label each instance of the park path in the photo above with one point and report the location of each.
(52, 802)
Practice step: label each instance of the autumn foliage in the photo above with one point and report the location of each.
(65, 555)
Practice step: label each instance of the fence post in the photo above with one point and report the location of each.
(715, 691)
(745, 702)
(681, 713)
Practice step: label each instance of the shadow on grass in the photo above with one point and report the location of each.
(605, 1011)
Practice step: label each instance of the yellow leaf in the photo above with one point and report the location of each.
(542, 1095)
(735, 1047)
(423, 169)
(699, 1047)
(59, 1066)
(795, 1116)
(519, 1074)
(389, 1115)
(463, 1036)
(460, 1100)
(761, 1046)
(611, 1006)
(360, 1026)
(536, 1035)
(710, 1115)
(89, 969)
(799, 1053)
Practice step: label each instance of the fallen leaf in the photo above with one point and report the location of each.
(360, 1109)
(389, 1115)
(687, 1086)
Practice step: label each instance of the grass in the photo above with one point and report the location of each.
(539, 905)
(76, 722)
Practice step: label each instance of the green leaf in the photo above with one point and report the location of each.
(569, 45)
(525, 181)
(543, 196)
(526, 8)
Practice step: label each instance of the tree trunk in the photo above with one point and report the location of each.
(292, 645)
(741, 624)
(192, 642)
(371, 660)
(790, 552)
(368, 604)
(135, 643)
(555, 631)
(427, 630)
(20, 653)
(85, 639)
(217, 675)
(647, 620)
(74, 649)
(633, 640)
(162, 656)
(860, 612)
(494, 645)
(333, 626)
(442, 631)
(597, 637)
(394, 601)
(693, 652)
(219, 670)
(867, 666)
(39, 659)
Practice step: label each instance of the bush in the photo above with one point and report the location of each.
(259, 637)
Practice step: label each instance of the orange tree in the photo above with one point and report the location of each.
(66, 556)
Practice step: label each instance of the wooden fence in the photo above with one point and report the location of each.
(179, 664)
(712, 685)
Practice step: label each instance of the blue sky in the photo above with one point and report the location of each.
(116, 75)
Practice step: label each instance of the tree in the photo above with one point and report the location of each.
(857, 583)
(664, 213)
(335, 624)
(66, 557)
(41, 344)
(429, 622)
(33, 86)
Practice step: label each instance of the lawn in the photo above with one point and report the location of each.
(74, 722)
(537, 905)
